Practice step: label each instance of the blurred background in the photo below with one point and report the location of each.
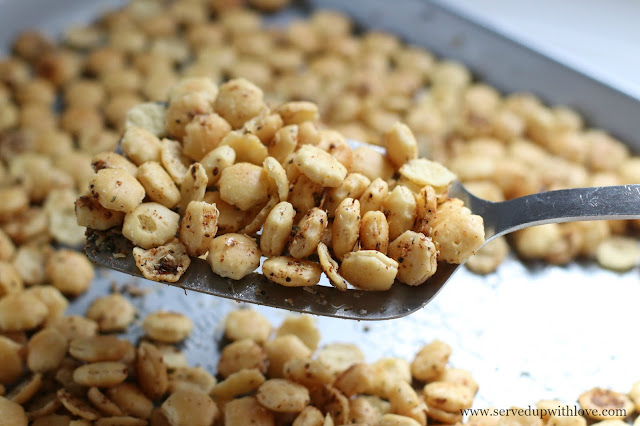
(600, 38)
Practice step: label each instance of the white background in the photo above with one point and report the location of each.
(599, 37)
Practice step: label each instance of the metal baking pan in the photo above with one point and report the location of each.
(494, 58)
(527, 332)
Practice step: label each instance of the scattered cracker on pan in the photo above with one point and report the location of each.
(399, 239)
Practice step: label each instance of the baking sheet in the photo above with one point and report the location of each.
(526, 332)
(498, 60)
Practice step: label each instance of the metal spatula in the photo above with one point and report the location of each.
(602, 203)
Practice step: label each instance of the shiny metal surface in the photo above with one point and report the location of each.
(323, 299)
(527, 332)
(566, 205)
(605, 203)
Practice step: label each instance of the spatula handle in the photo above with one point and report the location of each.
(565, 205)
